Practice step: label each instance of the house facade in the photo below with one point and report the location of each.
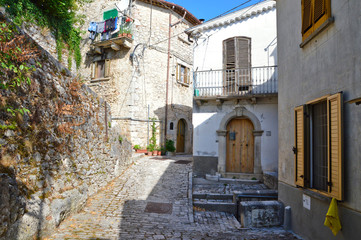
(319, 114)
(143, 68)
(235, 93)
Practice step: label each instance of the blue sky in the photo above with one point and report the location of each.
(208, 9)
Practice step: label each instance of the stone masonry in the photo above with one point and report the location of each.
(60, 153)
(138, 75)
(151, 201)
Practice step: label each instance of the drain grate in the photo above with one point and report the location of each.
(182, 162)
(162, 208)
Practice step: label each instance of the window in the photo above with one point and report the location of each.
(314, 14)
(183, 74)
(318, 146)
(236, 64)
(101, 69)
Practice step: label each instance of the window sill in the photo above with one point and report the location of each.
(183, 84)
(95, 80)
(318, 30)
(317, 195)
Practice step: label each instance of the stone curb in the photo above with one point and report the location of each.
(190, 197)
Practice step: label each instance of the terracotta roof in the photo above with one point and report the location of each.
(176, 8)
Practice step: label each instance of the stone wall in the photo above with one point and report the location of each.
(62, 152)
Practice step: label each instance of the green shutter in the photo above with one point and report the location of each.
(110, 14)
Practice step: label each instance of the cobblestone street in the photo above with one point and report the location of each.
(150, 201)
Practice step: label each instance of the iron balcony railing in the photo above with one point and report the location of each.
(236, 82)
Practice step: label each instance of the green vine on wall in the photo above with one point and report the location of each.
(57, 15)
(14, 71)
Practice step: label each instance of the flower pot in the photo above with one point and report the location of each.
(170, 153)
(150, 153)
(155, 153)
(141, 151)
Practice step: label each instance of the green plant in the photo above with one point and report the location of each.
(15, 72)
(60, 16)
(169, 145)
(153, 139)
(150, 148)
(109, 124)
(137, 147)
(120, 139)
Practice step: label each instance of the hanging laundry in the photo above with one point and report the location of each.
(115, 23)
(100, 27)
(92, 29)
(108, 25)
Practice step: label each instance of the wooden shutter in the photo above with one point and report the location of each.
(177, 72)
(299, 150)
(186, 70)
(306, 15)
(107, 68)
(229, 65)
(93, 70)
(320, 9)
(229, 57)
(243, 60)
(335, 161)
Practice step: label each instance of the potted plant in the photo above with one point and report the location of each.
(169, 147)
(150, 149)
(158, 150)
(138, 149)
(162, 151)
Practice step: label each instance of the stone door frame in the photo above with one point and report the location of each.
(222, 141)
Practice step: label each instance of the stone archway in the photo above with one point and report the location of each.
(222, 141)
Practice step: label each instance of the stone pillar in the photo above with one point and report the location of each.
(222, 155)
(257, 151)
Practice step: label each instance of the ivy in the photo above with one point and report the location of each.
(15, 50)
(58, 15)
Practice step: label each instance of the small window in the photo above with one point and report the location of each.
(171, 127)
(318, 146)
(101, 69)
(183, 74)
(314, 14)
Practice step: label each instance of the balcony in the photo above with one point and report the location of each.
(236, 83)
(123, 36)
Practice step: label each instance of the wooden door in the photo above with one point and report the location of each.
(181, 132)
(240, 146)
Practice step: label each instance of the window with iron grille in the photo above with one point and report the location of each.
(318, 146)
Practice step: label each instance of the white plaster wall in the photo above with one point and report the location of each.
(261, 28)
(207, 119)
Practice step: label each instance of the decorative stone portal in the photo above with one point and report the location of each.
(239, 112)
(161, 208)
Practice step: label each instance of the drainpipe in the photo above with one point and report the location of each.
(166, 93)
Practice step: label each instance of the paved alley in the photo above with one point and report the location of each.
(150, 201)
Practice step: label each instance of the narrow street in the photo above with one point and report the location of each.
(150, 201)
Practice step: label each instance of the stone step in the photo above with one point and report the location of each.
(255, 195)
(228, 207)
(213, 196)
(256, 214)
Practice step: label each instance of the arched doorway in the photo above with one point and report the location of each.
(239, 113)
(240, 146)
(181, 133)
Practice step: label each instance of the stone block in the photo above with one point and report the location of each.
(261, 214)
